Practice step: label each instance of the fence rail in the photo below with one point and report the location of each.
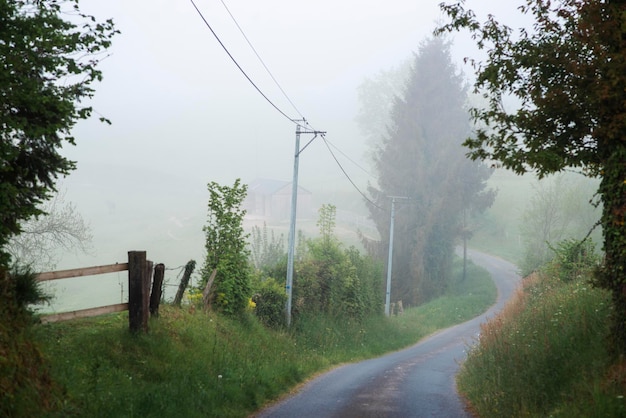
(79, 272)
(142, 300)
(84, 313)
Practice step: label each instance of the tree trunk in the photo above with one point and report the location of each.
(613, 274)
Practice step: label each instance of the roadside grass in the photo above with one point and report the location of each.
(195, 364)
(545, 355)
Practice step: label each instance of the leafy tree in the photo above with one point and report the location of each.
(226, 248)
(48, 63)
(475, 199)
(421, 158)
(569, 75)
(558, 209)
(60, 227)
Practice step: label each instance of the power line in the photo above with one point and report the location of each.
(348, 177)
(238, 66)
(351, 160)
(261, 60)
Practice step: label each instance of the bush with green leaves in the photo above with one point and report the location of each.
(270, 299)
(335, 281)
(49, 54)
(573, 259)
(226, 249)
(26, 388)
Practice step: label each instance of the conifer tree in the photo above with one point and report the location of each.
(421, 158)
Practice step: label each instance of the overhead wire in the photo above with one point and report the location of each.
(304, 123)
(261, 60)
(239, 66)
(345, 173)
(351, 160)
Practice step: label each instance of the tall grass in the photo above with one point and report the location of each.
(195, 364)
(544, 355)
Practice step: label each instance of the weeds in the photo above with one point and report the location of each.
(195, 364)
(544, 354)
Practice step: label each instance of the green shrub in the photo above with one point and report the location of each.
(226, 251)
(270, 300)
(573, 259)
(26, 388)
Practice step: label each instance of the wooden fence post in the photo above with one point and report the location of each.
(157, 284)
(147, 283)
(189, 267)
(138, 291)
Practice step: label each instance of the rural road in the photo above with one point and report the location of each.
(415, 382)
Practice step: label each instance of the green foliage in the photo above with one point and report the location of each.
(22, 286)
(573, 260)
(270, 299)
(545, 355)
(266, 250)
(226, 248)
(420, 157)
(326, 223)
(559, 207)
(571, 108)
(336, 282)
(48, 63)
(26, 388)
(368, 282)
(197, 365)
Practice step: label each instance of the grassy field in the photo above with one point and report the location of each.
(545, 355)
(194, 364)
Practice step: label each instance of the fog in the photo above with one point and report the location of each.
(183, 114)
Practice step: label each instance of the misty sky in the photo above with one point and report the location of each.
(179, 105)
(182, 114)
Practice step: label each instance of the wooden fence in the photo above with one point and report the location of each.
(141, 301)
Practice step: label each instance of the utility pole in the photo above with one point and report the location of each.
(292, 220)
(390, 255)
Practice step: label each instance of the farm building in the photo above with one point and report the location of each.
(271, 200)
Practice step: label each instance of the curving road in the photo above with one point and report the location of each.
(414, 382)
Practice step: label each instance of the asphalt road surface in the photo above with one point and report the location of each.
(414, 382)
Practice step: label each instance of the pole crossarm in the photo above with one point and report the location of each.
(315, 133)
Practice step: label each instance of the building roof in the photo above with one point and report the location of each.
(269, 187)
